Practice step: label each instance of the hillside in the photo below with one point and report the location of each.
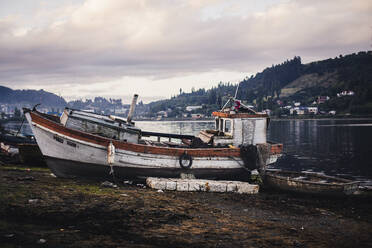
(290, 81)
(32, 97)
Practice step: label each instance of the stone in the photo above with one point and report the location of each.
(215, 186)
(108, 184)
(32, 201)
(246, 188)
(195, 185)
(182, 186)
(41, 241)
(231, 187)
(171, 185)
(156, 183)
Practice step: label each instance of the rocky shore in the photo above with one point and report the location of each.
(39, 210)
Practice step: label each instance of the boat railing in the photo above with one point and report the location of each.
(167, 135)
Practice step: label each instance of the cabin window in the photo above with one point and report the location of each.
(227, 126)
(217, 124)
(71, 144)
(57, 138)
(221, 125)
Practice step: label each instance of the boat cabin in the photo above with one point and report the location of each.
(236, 129)
(107, 126)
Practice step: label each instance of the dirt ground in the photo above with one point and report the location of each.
(39, 210)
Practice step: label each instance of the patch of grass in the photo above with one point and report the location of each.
(24, 168)
(18, 194)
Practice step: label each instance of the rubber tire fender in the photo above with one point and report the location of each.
(184, 157)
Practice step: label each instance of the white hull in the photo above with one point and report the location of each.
(68, 154)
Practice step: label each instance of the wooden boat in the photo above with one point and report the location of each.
(309, 182)
(14, 143)
(236, 145)
(13, 138)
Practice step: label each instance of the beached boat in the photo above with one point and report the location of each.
(13, 143)
(309, 182)
(237, 145)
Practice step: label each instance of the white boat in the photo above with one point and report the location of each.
(237, 145)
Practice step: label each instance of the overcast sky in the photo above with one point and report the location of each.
(115, 48)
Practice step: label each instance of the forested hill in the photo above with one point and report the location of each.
(32, 97)
(290, 81)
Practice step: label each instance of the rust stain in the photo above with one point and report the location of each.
(276, 148)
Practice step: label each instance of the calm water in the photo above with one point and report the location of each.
(335, 147)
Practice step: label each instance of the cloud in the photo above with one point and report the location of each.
(105, 41)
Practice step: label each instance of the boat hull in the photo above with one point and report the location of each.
(71, 152)
(71, 169)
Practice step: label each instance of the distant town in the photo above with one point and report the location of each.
(194, 112)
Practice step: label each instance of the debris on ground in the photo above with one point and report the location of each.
(32, 201)
(41, 241)
(26, 178)
(108, 184)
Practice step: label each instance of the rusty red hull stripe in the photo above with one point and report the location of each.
(240, 115)
(98, 140)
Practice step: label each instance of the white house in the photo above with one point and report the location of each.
(299, 110)
(191, 108)
(313, 110)
(345, 93)
(197, 116)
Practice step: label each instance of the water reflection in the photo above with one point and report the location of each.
(332, 146)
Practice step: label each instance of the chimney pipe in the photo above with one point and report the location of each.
(132, 108)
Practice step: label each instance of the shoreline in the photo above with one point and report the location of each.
(37, 207)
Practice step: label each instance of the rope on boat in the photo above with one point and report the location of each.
(111, 157)
(23, 120)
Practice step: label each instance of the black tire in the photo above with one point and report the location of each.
(182, 160)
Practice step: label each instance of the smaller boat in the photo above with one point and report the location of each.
(14, 144)
(310, 183)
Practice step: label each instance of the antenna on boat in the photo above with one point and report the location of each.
(231, 98)
(240, 103)
(236, 91)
